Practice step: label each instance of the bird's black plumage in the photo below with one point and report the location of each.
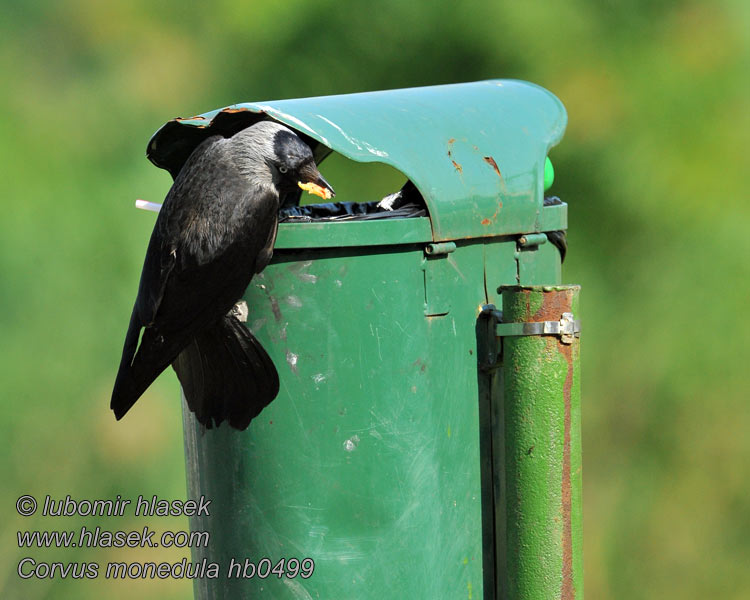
(215, 230)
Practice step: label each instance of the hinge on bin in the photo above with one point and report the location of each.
(488, 344)
(566, 328)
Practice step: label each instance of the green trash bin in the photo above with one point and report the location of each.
(375, 461)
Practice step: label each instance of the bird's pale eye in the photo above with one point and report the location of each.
(283, 170)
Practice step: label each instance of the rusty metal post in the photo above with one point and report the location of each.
(538, 471)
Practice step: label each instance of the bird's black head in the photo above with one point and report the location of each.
(294, 167)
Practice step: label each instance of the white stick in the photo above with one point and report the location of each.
(145, 205)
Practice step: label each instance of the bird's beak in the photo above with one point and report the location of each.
(314, 183)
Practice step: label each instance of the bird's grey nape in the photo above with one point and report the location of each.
(253, 147)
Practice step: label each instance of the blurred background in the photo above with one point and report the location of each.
(652, 166)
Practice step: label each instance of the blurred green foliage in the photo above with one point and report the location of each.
(651, 165)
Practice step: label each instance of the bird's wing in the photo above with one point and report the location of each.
(195, 187)
(203, 250)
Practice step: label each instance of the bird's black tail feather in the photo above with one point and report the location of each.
(226, 375)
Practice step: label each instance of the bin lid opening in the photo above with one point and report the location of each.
(364, 192)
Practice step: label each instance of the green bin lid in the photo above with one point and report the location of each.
(476, 151)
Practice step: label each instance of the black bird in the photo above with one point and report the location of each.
(214, 232)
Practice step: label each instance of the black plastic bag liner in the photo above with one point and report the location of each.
(348, 211)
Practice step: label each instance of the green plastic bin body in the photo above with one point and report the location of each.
(375, 459)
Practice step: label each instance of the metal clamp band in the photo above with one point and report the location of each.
(566, 328)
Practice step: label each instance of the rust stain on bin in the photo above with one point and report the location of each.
(491, 161)
(196, 118)
(457, 166)
(490, 220)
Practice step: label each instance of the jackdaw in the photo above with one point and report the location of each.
(215, 231)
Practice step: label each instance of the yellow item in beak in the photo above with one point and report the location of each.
(314, 188)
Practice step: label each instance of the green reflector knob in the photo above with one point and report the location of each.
(549, 174)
